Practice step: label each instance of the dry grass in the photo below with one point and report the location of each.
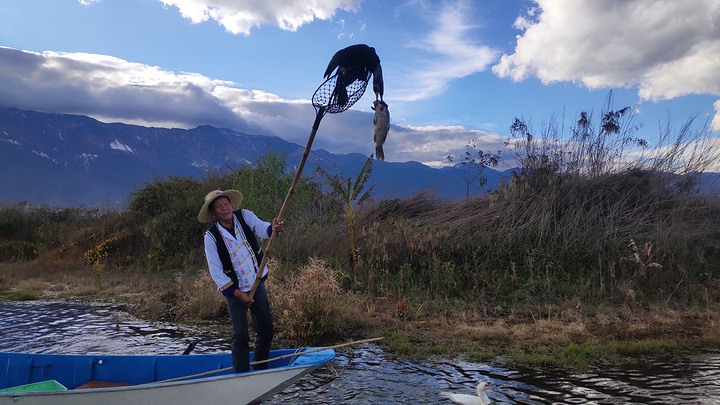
(59, 259)
(311, 304)
(199, 298)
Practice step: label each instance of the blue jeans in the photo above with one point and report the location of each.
(262, 324)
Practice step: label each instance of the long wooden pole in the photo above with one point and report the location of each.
(269, 360)
(291, 191)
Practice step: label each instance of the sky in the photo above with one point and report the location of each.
(454, 70)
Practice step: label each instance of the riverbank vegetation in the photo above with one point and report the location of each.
(599, 248)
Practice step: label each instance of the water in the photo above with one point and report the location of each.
(362, 374)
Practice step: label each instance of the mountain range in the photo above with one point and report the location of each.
(73, 160)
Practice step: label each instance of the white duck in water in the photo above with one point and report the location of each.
(480, 399)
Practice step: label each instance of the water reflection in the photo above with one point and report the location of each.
(362, 374)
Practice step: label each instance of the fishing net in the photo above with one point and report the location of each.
(326, 98)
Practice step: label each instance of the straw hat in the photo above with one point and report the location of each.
(234, 196)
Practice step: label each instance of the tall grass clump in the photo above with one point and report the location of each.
(606, 210)
(197, 297)
(593, 214)
(309, 304)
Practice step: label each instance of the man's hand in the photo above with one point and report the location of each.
(243, 297)
(277, 226)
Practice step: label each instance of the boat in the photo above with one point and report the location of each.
(59, 379)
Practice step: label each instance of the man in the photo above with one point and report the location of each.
(234, 255)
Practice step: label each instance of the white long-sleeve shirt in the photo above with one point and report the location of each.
(242, 256)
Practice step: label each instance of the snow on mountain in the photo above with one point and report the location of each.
(117, 145)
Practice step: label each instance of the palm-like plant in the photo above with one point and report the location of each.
(349, 196)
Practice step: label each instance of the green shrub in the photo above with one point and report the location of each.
(23, 294)
(18, 251)
(167, 213)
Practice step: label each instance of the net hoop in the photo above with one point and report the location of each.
(326, 99)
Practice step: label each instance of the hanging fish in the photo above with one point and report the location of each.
(382, 126)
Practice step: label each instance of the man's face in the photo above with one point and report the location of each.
(222, 209)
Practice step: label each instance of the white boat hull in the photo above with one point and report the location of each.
(241, 388)
(233, 389)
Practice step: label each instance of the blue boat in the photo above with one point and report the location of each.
(164, 379)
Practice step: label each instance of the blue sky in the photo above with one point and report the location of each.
(454, 70)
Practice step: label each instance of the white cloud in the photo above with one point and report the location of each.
(241, 16)
(666, 48)
(715, 125)
(87, 2)
(432, 144)
(452, 52)
(114, 90)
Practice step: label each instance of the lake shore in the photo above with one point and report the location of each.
(565, 339)
(571, 336)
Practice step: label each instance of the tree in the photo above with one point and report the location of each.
(166, 210)
(474, 162)
(349, 196)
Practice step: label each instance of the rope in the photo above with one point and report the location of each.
(298, 352)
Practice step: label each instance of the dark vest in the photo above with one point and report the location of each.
(225, 255)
